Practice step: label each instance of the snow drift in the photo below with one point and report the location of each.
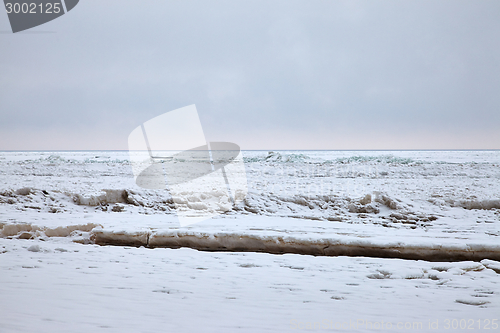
(277, 244)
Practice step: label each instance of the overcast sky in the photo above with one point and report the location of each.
(308, 74)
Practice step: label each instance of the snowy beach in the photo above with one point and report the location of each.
(349, 237)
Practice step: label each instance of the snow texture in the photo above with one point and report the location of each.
(336, 218)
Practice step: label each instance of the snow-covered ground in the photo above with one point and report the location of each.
(443, 207)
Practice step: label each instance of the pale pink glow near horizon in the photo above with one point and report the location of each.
(277, 140)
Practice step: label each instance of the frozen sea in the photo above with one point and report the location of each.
(323, 241)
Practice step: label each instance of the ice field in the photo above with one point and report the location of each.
(323, 240)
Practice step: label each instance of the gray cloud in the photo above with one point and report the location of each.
(264, 74)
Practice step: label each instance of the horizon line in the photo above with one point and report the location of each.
(126, 150)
